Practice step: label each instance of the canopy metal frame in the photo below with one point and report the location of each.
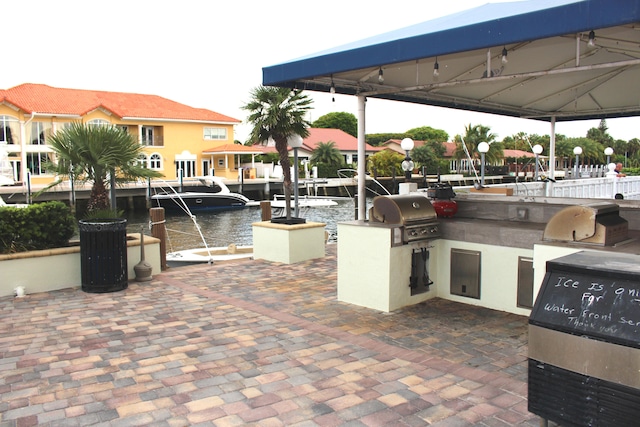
(567, 60)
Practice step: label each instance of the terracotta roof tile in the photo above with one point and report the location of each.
(517, 153)
(39, 98)
(343, 141)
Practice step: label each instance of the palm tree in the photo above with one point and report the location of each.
(278, 113)
(474, 135)
(91, 153)
(327, 153)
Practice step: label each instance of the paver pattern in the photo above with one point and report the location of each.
(256, 343)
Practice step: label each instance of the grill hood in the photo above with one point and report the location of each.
(402, 209)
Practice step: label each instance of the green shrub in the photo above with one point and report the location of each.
(39, 226)
(328, 171)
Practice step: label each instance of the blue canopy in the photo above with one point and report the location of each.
(541, 59)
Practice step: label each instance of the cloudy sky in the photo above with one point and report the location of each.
(209, 54)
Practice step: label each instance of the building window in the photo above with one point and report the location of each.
(39, 133)
(99, 122)
(147, 135)
(215, 133)
(143, 160)
(188, 168)
(9, 130)
(155, 161)
(221, 163)
(36, 163)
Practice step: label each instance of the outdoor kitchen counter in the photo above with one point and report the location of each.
(516, 234)
(519, 234)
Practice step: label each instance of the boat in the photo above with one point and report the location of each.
(209, 255)
(12, 205)
(215, 195)
(278, 204)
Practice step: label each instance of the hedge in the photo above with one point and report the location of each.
(38, 226)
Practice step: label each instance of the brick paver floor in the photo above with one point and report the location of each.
(256, 343)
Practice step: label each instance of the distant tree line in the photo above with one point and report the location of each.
(430, 156)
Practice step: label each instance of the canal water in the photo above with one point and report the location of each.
(227, 227)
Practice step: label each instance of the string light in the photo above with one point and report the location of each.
(504, 55)
(332, 91)
(592, 39)
(436, 68)
(380, 76)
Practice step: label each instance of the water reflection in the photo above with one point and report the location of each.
(224, 228)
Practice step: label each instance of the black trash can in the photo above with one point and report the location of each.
(103, 255)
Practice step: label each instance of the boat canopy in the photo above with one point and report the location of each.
(540, 59)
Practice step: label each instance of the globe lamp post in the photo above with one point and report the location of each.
(295, 142)
(407, 165)
(608, 152)
(577, 151)
(483, 147)
(537, 150)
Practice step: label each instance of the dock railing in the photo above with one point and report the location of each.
(584, 188)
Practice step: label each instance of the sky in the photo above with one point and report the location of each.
(210, 54)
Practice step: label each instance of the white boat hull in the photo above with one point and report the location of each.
(216, 254)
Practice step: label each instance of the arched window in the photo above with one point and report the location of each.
(155, 161)
(143, 160)
(9, 130)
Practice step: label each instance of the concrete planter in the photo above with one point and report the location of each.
(288, 244)
(59, 268)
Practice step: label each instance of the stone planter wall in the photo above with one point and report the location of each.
(59, 268)
(288, 244)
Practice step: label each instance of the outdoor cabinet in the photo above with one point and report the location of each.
(465, 273)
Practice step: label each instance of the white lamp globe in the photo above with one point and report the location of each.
(577, 151)
(483, 147)
(406, 144)
(537, 149)
(295, 141)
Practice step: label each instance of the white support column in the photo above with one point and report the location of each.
(552, 149)
(362, 178)
(23, 152)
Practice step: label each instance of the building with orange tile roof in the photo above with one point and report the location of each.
(175, 136)
(345, 143)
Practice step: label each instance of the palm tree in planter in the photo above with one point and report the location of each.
(95, 153)
(102, 155)
(278, 113)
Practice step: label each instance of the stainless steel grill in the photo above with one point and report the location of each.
(598, 223)
(414, 214)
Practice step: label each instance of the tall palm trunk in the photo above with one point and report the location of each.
(281, 146)
(99, 199)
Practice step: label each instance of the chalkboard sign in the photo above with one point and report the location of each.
(592, 294)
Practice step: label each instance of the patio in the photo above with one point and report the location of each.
(256, 343)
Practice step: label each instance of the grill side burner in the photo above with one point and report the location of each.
(598, 223)
(413, 213)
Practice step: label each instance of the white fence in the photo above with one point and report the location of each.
(584, 188)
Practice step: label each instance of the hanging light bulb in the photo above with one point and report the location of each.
(436, 68)
(592, 39)
(504, 55)
(380, 76)
(332, 91)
